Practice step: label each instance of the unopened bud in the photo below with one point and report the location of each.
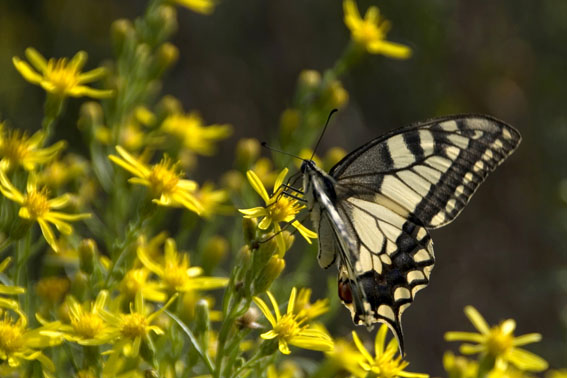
(337, 96)
(310, 79)
(289, 122)
(202, 320)
(87, 254)
(90, 116)
(167, 55)
(268, 274)
(263, 254)
(232, 180)
(80, 284)
(247, 151)
(249, 227)
(122, 32)
(215, 250)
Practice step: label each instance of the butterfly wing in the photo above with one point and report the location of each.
(389, 192)
(427, 172)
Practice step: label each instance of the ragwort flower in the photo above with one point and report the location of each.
(17, 149)
(278, 208)
(499, 343)
(59, 76)
(193, 134)
(133, 328)
(19, 343)
(370, 32)
(291, 328)
(385, 364)
(88, 324)
(304, 307)
(175, 272)
(163, 179)
(37, 207)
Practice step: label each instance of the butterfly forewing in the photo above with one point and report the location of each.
(373, 210)
(428, 172)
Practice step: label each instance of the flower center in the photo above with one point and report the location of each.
(63, 77)
(287, 327)
(11, 337)
(164, 177)
(15, 147)
(499, 341)
(283, 209)
(88, 325)
(175, 275)
(134, 325)
(369, 32)
(36, 202)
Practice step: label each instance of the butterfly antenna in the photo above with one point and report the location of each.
(264, 144)
(323, 132)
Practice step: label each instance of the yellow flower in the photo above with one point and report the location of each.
(200, 6)
(561, 373)
(303, 307)
(88, 325)
(384, 365)
(60, 76)
(62, 171)
(18, 343)
(136, 281)
(290, 329)
(133, 328)
(175, 272)
(345, 356)
(193, 134)
(459, 367)
(499, 342)
(370, 32)
(288, 369)
(17, 149)
(508, 372)
(52, 289)
(164, 180)
(278, 208)
(213, 200)
(37, 207)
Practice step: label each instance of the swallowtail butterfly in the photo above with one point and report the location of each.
(374, 209)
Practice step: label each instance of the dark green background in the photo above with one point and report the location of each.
(506, 254)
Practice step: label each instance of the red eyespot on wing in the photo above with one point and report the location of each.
(344, 292)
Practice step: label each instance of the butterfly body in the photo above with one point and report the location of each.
(374, 209)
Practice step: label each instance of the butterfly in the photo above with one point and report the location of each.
(373, 211)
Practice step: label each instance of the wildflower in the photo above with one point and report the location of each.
(18, 343)
(384, 365)
(561, 373)
(17, 149)
(291, 328)
(59, 76)
(136, 281)
(303, 307)
(193, 134)
(288, 369)
(345, 356)
(88, 325)
(163, 179)
(499, 342)
(175, 272)
(508, 372)
(278, 208)
(133, 328)
(459, 367)
(37, 207)
(199, 6)
(370, 32)
(213, 200)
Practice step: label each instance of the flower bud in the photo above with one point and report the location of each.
(268, 274)
(52, 289)
(247, 151)
(202, 320)
(168, 105)
(263, 253)
(332, 157)
(310, 79)
(249, 227)
(87, 254)
(336, 95)
(91, 116)
(122, 32)
(166, 57)
(80, 284)
(289, 122)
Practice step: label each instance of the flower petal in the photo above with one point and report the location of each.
(257, 185)
(477, 320)
(525, 360)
